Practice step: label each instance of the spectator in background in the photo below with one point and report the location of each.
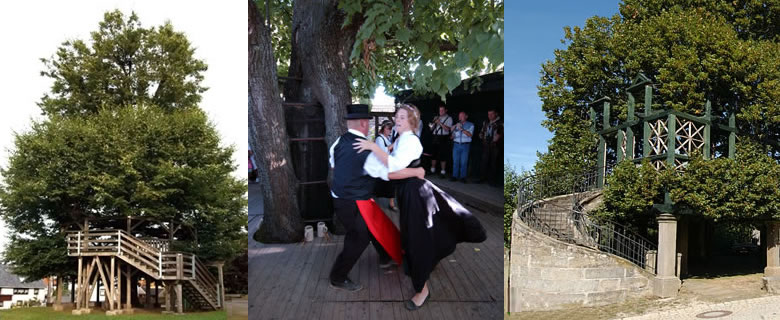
(385, 141)
(492, 136)
(440, 128)
(461, 138)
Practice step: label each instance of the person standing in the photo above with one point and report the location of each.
(440, 128)
(492, 136)
(385, 141)
(461, 138)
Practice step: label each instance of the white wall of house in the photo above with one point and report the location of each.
(31, 293)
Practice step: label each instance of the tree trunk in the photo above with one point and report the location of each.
(59, 291)
(320, 56)
(281, 218)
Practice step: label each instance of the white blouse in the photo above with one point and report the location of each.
(407, 149)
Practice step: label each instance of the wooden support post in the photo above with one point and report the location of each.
(179, 266)
(605, 120)
(119, 287)
(179, 301)
(671, 146)
(601, 161)
(128, 304)
(648, 110)
(168, 296)
(148, 302)
(630, 117)
(592, 119)
(80, 286)
(112, 283)
(221, 287)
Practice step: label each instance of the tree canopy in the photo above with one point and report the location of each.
(725, 51)
(123, 64)
(123, 136)
(420, 45)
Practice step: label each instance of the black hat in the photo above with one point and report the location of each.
(357, 111)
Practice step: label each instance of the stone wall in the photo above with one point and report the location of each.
(547, 274)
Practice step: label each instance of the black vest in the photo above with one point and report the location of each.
(350, 182)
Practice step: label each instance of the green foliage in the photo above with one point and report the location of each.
(27, 255)
(109, 147)
(123, 64)
(512, 180)
(630, 194)
(727, 51)
(742, 189)
(424, 45)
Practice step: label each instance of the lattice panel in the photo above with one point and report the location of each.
(690, 137)
(680, 165)
(658, 164)
(658, 134)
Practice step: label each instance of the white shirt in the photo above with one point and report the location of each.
(407, 149)
(372, 167)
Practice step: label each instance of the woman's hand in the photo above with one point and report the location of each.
(390, 148)
(364, 144)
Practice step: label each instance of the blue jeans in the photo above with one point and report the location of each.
(460, 160)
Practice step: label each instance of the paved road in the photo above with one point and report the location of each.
(756, 308)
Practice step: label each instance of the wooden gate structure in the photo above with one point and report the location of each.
(111, 257)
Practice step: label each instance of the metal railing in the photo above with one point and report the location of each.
(553, 206)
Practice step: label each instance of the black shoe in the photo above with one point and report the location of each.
(464, 180)
(346, 285)
(443, 175)
(411, 306)
(453, 179)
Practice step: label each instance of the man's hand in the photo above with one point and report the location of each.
(419, 173)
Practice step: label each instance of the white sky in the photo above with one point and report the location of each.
(30, 30)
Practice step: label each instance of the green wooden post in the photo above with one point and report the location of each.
(732, 135)
(648, 110)
(671, 146)
(601, 161)
(707, 129)
(629, 131)
(606, 116)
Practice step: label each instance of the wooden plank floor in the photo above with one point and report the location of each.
(290, 281)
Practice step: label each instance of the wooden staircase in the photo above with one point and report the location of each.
(200, 287)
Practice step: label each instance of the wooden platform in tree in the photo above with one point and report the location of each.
(290, 281)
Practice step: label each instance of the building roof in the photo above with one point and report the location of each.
(10, 280)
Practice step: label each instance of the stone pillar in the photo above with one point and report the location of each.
(666, 283)
(772, 271)
(682, 246)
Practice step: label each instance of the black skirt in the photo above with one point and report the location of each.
(432, 224)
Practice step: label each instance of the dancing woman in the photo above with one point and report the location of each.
(432, 222)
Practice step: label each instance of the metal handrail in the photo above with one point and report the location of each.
(543, 205)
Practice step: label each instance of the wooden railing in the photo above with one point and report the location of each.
(163, 265)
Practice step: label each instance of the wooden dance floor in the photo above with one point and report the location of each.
(290, 281)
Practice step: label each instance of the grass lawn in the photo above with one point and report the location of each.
(49, 314)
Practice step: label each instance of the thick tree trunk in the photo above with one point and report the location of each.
(281, 218)
(320, 56)
(60, 283)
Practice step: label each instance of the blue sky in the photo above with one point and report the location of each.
(534, 29)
